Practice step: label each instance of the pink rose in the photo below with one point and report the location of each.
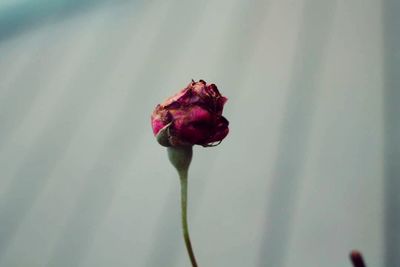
(191, 117)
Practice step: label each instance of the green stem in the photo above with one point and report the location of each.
(183, 175)
(181, 157)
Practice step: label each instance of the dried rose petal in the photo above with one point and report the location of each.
(192, 117)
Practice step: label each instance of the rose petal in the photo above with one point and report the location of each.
(195, 114)
(221, 130)
(157, 125)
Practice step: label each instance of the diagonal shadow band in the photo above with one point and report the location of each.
(49, 149)
(313, 37)
(25, 17)
(391, 39)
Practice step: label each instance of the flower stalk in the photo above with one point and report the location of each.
(181, 157)
(185, 228)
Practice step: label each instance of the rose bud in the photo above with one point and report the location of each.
(191, 117)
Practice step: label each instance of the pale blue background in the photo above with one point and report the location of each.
(309, 171)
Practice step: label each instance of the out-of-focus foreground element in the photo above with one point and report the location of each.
(357, 259)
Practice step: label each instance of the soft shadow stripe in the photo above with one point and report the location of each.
(391, 37)
(294, 134)
(37, 166)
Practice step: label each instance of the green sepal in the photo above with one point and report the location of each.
(163, 136)
(180, 157)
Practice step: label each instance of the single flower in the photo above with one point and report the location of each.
(191, 117)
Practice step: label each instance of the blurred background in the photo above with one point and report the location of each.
(309, 171)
